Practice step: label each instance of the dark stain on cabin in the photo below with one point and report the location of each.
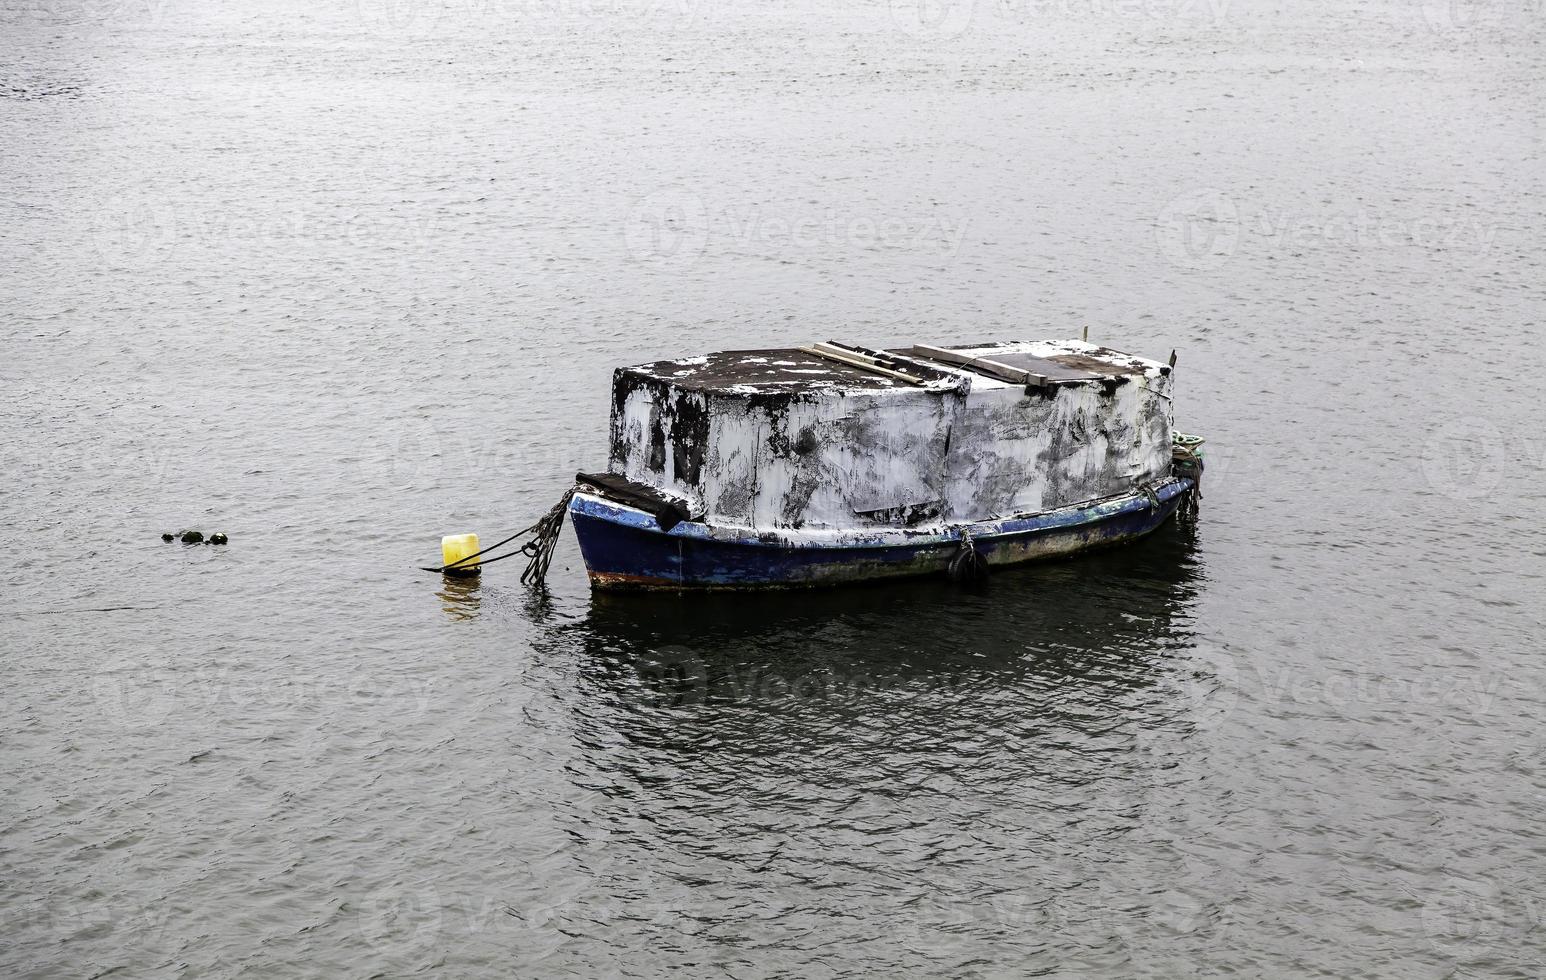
(657, 456)
(617, 458)
(806, 444)
(689, 436)
(677, 418)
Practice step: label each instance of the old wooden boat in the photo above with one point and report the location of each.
(833, 463)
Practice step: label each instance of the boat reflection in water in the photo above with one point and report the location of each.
(970, 768)
(1037, 643)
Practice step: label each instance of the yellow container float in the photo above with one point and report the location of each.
(454, 548)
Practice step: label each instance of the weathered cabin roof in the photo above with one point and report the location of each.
(1061, 361)
(764, 372)
(788, 370)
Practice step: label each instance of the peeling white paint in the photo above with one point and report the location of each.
(796, 442)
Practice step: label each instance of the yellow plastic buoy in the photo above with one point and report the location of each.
(455, 547)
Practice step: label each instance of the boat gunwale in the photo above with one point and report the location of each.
(591, 504)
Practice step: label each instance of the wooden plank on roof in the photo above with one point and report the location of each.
(982, 365)
(858, 361)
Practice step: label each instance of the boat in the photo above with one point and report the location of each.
(831, 464)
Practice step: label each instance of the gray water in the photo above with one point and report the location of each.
(340, 278)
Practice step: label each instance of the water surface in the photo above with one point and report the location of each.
(340, 278)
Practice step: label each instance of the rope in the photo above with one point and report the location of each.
(966, 565)
(1186, 461)
(540, 548)
(544, 539)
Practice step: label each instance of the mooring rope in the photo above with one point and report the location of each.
(539, 549)
(967, 565)
(1187, 461)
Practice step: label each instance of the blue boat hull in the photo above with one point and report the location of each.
(624, 548)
